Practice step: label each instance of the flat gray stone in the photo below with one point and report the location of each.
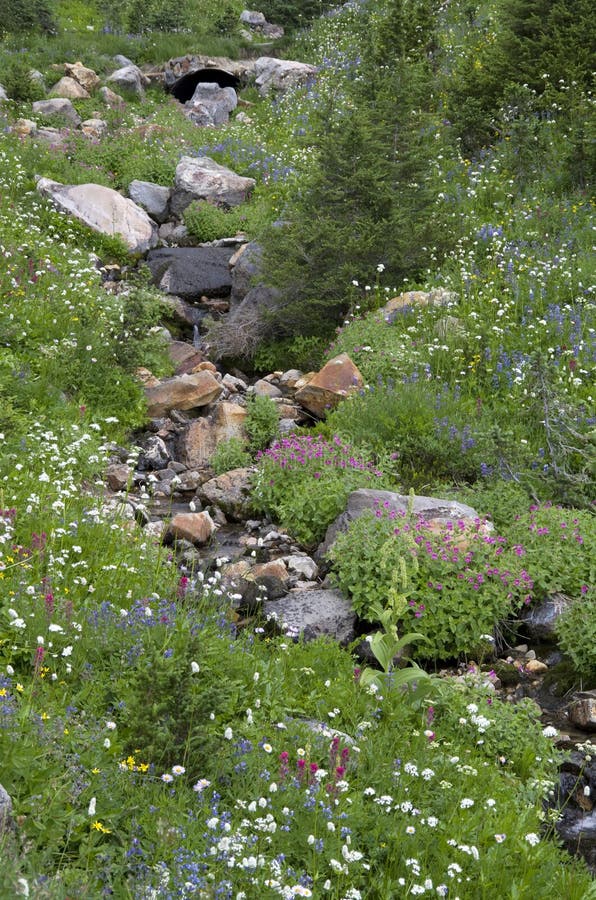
(313, 614)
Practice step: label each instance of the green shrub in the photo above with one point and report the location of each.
(576, 631)
(208, 222)
(15, 77)
(304, 353)
(262, 422)
(21, 16)
(230, 454)
(303, 482)
(459, 588)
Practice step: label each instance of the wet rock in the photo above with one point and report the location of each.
(191, 272)
(540, 621)
(336, 381)
(312, 614)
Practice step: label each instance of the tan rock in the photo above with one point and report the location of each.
(118, 476)
(184, 356)
(194, 527)
(94, 128)
(336, 381)
(535, 667)
(85, 77)
(207, 366)
(231, 492)
(111, 99)
(198, 443)
(24, 127)
(230, 419)
(304, 380)
(69, 88)
(182, 392)
(264, 388)
(582, 712)
(146, 377)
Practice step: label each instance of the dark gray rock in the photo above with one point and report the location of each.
(312, 614)
(541, 621)
(244, 271)
(428, 508)
(153, 198)
(191, 272)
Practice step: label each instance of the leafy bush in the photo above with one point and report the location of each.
(230, 454)
(304, 353)
(262, 421)
(459, 588)
(576, 631)
(15, 77)
(304, 483)
(208, 222)
(26, 16)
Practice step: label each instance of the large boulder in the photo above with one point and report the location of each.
(201, 178)
(431, 509)
(194, 527)
(129, 79)
(336, 380)
(104, 210)
(182, 392)
(57, 108)
(153, 198)
(191, 272)
(312, 614)
(280, 74)
(211, 104)
(69, 88)
(200, 438)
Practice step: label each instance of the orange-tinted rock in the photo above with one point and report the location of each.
(194, 527)
(336, 380)
(182, 392)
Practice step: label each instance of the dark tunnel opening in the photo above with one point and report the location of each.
(184, 88)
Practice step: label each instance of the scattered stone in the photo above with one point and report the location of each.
(252, 18)
(129, 79)
(154, 455)
(58, 107)
(104, 210)
(312, 614)
(24, 127)
(111, 99)
(194, 527)
(231, 491)
(52, 136)
(118, 476)
(3, 94)
(182, 392)
(153, 198)
(201, 178)
(70, 89)
(541, 620)
(94, 128)
(582, 712)
(264, 388)
(211, 104)
(534, 667)
(280, 74)
(191, 272)
(6, 818)
(302, 566)
(336, 381)
(85, 77)
(123, 61)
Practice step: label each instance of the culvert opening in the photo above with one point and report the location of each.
(184, 88)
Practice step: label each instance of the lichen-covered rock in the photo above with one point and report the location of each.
(312, 614)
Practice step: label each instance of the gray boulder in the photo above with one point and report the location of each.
(201, 178)
(104, 210)
(541, 620)
(211, 104)
(3, 94)
(252, 18)
(153, 198)
(432, 509)
(191, 272)
(123, 61)
(59, 108)
(312, 614)
(129, 79)
(280, 74)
